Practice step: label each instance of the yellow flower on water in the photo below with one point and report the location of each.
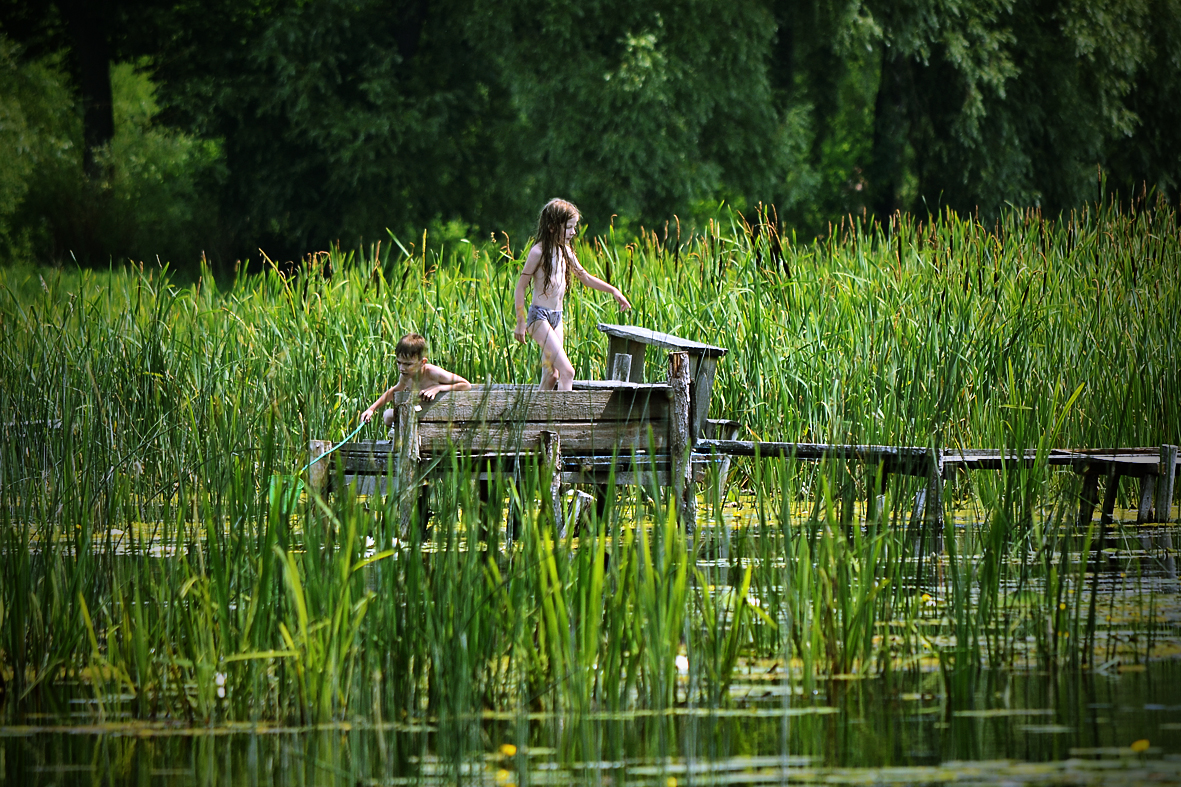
(1140, 745)
(1062, 606)
(507, 749)
(671, 781)
(503, 776)
(926, 597)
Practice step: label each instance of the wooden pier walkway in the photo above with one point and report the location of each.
(631, 431)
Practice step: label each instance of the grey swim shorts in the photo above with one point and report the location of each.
(552, 316)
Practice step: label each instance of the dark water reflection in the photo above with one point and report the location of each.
(1070, 728)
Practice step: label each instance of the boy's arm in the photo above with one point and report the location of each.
(596, 283)
(384, 398)
(443, 380)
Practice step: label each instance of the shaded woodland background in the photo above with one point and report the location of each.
(145, 129)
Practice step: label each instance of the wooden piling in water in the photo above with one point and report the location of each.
(1166, 478)
(408, 485)
(551, 451)
(679, 440)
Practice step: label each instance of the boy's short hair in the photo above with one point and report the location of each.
(411, 345)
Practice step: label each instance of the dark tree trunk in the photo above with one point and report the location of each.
(88, 24)
(889, 136)
(783, 55)
(409, 32)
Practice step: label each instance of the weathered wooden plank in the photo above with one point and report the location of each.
(1128, 461)
(658, 339)
(992, 459)
(374, 458)
(810, 450)
(646, 478)
(638, 474)
(1121, 463)
(617, 385)
(605, 437)
(599, 404)
(363, 484)
(908, 460)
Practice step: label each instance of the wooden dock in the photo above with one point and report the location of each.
(625, 430)
(632, 431)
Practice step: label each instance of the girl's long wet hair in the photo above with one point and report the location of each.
(551, 228)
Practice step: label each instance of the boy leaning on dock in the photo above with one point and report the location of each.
(415, 374)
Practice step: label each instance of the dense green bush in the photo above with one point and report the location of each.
(155, 201)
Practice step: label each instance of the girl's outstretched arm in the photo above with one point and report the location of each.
(596, 283)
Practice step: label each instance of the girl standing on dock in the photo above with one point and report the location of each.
(548, 266)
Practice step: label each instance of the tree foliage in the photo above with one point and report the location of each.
(293, 124)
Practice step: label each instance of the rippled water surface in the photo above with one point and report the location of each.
(1121, 727)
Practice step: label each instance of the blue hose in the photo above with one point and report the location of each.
(360, 426)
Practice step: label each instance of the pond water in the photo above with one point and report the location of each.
(1030, 728)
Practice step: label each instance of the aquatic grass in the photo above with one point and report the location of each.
(147, 425)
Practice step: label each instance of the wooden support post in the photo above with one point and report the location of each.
(1088, 496)
(1147, 490)
(1164, 504)
(621, 367)
(875, 485)
(1107, 513)
(678, 440)
(580, 508)
(551, 449)
(406, 471)
(721, 430)
(318, 472)
(1165, 482)
(634, 350)
(703, 383)
(935, 503)
(919, 511)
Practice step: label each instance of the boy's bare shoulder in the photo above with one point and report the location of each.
(436, 374)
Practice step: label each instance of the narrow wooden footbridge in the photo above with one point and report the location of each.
(629, 431)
